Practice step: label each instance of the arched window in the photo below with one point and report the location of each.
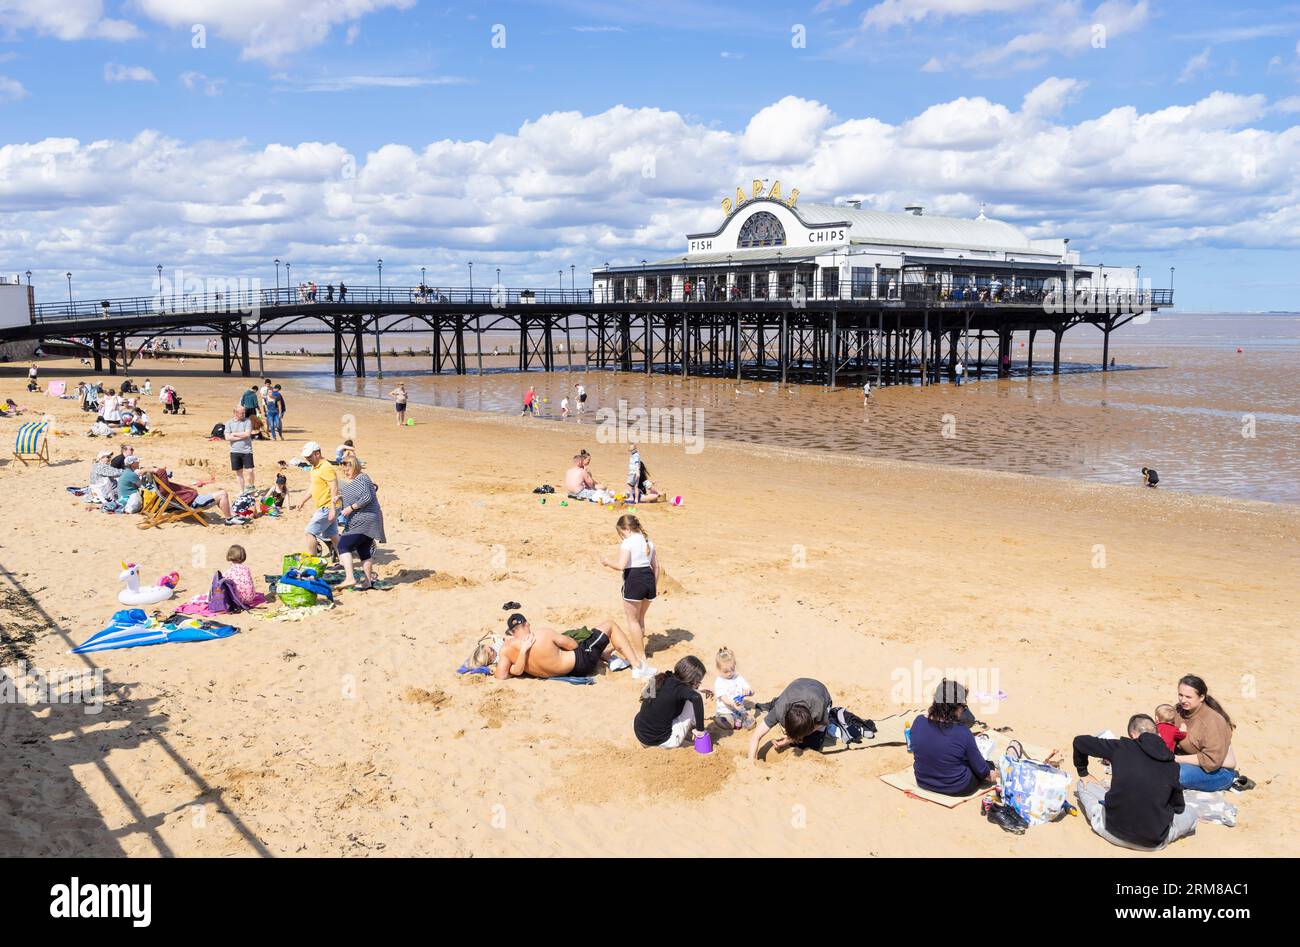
(761, 230)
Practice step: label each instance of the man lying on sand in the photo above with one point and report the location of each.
(578, 481)
(544, 652)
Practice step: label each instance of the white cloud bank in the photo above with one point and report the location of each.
(627, 183)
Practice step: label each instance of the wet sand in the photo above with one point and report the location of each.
(350, 733)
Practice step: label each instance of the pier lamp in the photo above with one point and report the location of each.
(69, 275)
(422, 278)
(1171, 283)
(498, 276)
(379, 355)
(288, 277)
(470, 264)
(29, 277)
(573, 278)
(277, 277)
(160, 288)
(561, 272)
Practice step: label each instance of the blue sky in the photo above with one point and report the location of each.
(382, 80)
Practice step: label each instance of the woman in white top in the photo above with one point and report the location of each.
(640, 567)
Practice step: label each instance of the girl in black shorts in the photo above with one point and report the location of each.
(640, 567)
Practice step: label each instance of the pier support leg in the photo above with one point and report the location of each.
(783, 346)
(244, 361)
(1105, 345)
(1056, 350)
(1032, 333)
(225, 351)
(359, 343)
(834, 348)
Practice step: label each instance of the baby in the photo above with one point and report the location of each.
(1167, 726)
(731, 690)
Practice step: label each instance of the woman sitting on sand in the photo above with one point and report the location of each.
(672, 708)
(364, 524)
(946, 758)
(1204, 754)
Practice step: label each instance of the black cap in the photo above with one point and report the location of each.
(514, 621)
(949, 692)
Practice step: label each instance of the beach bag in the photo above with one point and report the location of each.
(1035, 790)
(298, 590)
(298, 560)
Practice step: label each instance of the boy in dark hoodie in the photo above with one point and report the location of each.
(1144, 808)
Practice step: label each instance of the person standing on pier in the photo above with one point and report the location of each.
(343, 292)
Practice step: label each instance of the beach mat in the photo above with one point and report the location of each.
(905, 781)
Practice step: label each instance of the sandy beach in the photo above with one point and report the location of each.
(350, 733)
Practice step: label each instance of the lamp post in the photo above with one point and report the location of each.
(730, 276)
(644, 288)
(1171, 285)
(277, 279)
(471, 280)
(421, 279)
(69, 275)
(685, 276)
(288, 279)
(573, 278)
(379, 355)
(29, 277)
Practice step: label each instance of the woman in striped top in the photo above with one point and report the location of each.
(365, 525)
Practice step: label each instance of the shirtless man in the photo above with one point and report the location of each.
(578, 481)
(545, 652)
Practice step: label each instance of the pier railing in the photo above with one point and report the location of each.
(259, 302)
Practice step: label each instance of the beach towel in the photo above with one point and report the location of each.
(466, 669)
(133, 628)
(905, 780)
(569, 679)
(57, 389)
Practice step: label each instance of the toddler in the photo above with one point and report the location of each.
(731, 690)
(239, 574)
(1167, 725)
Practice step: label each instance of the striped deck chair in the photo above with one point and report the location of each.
(32, 443)
(159, 505)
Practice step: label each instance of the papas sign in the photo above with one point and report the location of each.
(756, 191)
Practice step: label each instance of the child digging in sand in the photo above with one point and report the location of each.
(731, 690)
(672, 706)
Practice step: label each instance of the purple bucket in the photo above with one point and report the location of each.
(704, 744)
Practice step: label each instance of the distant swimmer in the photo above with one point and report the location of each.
(1149, 476)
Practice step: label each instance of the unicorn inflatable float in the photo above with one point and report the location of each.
(137, 595)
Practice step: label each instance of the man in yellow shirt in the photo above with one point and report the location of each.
(324, 495)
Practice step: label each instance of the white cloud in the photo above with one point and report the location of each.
(1197, 64)
(114, 72)
(198, 82)
(629, 183)
(1050, 96)
(891, 13)
(11, 90)
(932, 65)
(784, 131)
(266, 29)
(65, 19)
(1072, 31)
